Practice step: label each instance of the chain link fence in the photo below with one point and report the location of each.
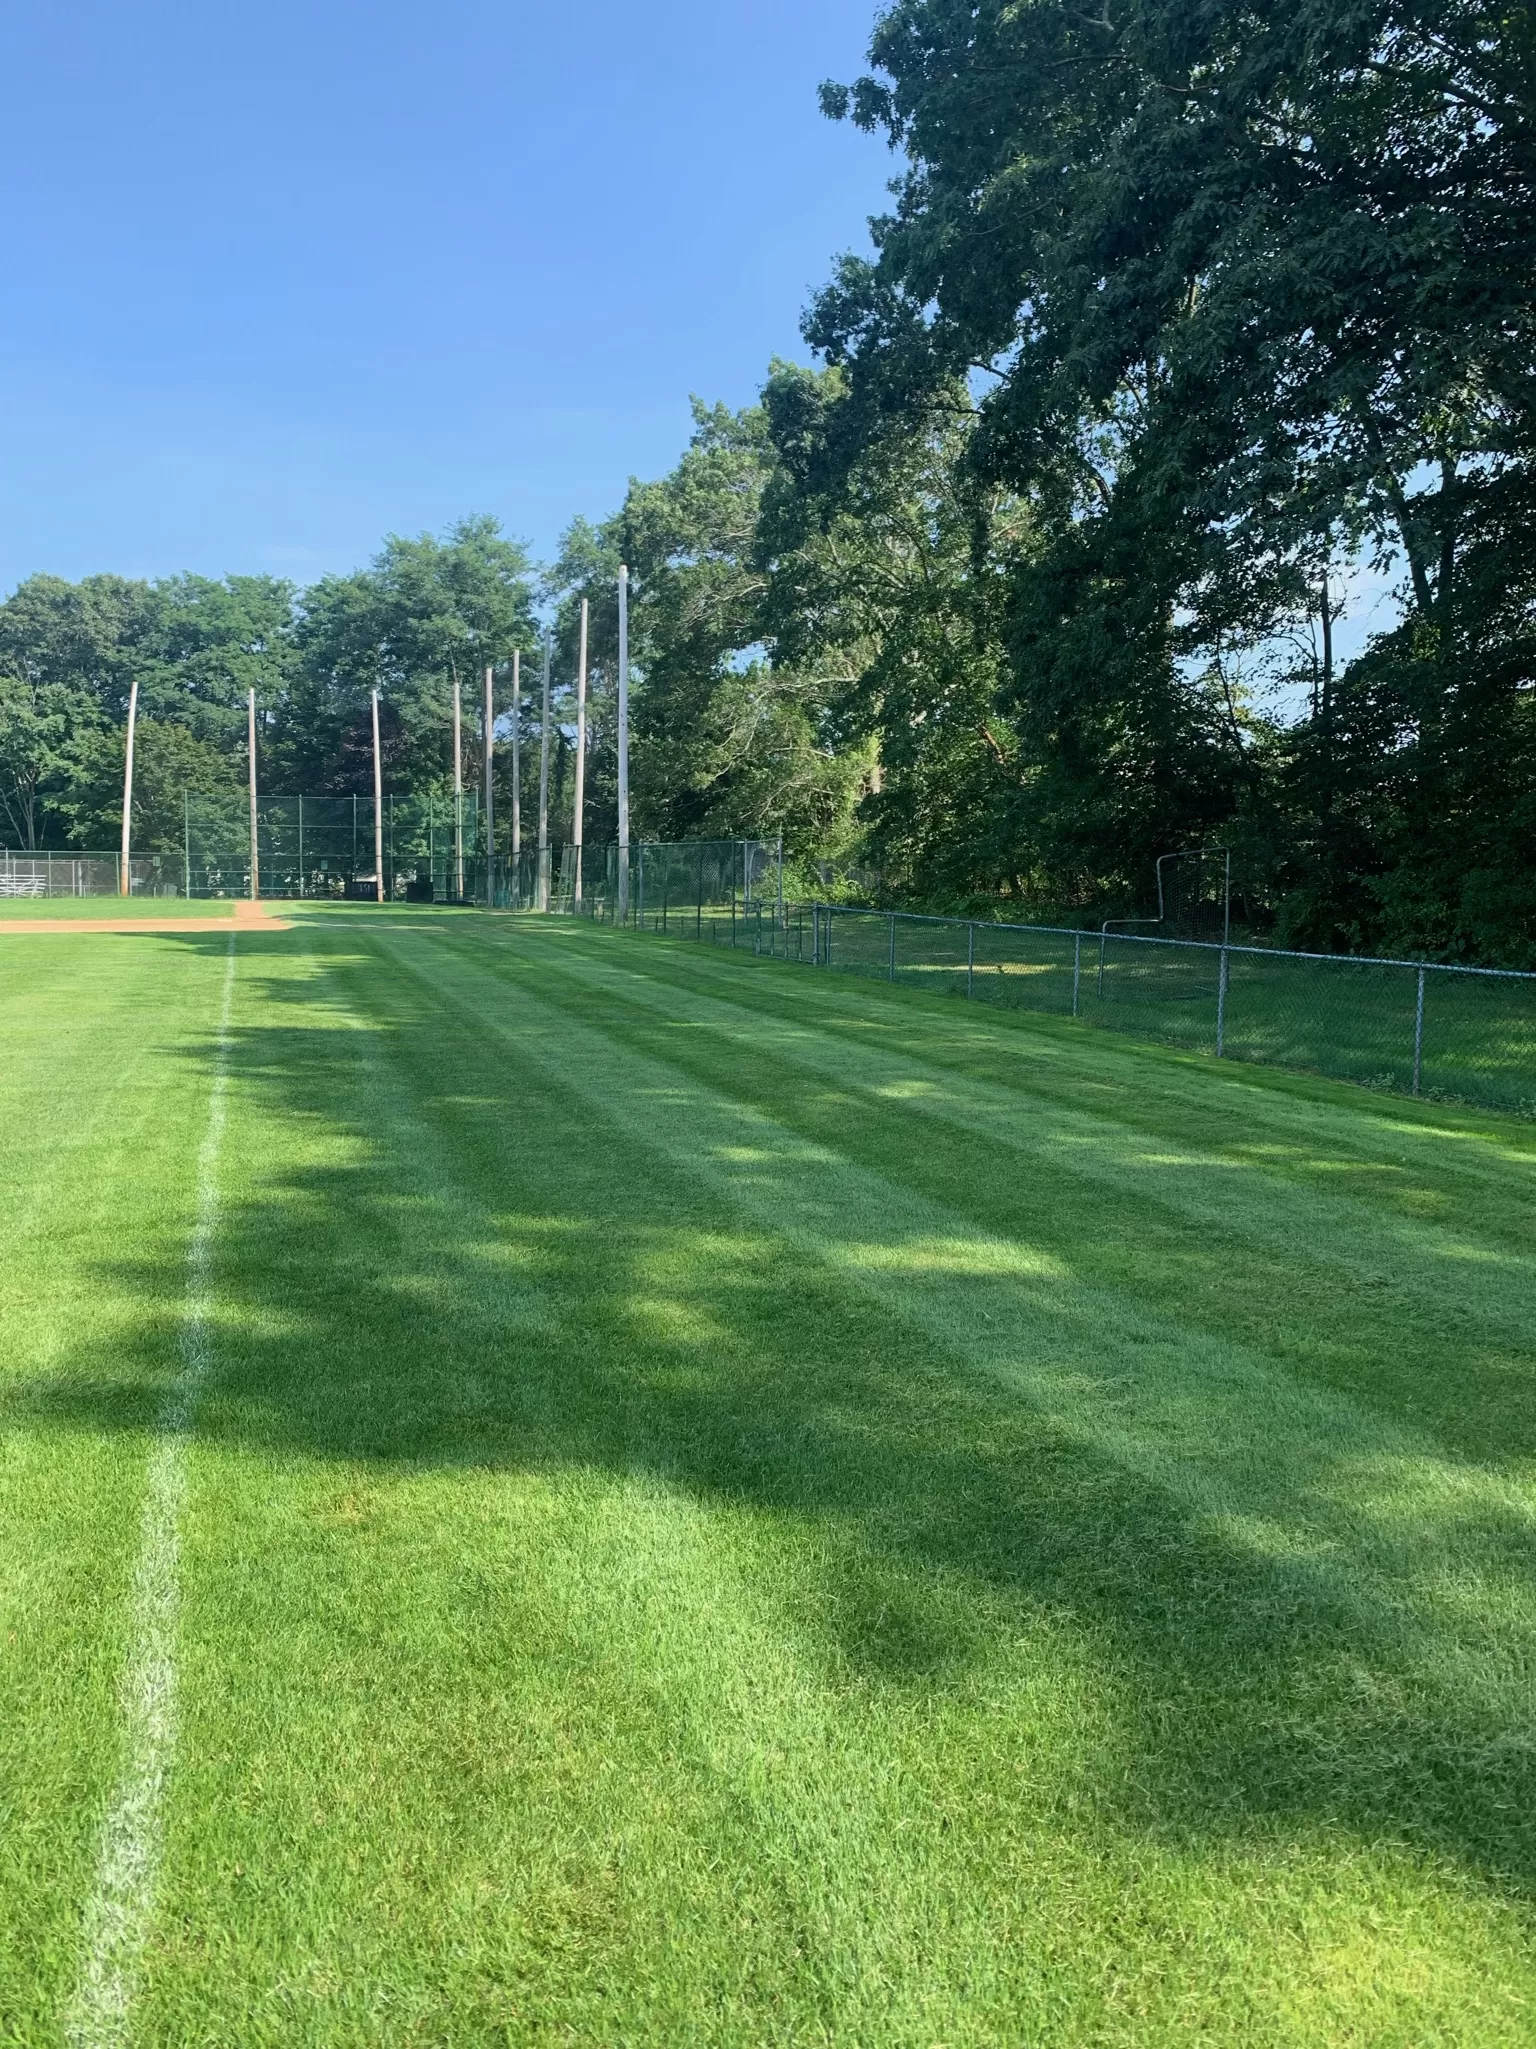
(433, 848)
(1453, 1034)
(50, 873)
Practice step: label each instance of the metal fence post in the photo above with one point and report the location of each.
(1418, 1034)
(1221, 1006)
(970, 957)
(1077, 968)
(891, 974)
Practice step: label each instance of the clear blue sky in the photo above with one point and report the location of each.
(279, 279)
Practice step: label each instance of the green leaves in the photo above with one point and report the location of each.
(728, 738)
(68, 653)
(1243, 297)
(427, 611)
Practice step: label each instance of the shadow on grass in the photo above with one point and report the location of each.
(481, 1266)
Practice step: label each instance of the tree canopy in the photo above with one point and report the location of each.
(1185, 320)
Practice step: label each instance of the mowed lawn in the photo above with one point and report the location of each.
(92, 908)
(733, 1505)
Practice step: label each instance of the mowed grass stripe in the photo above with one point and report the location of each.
(1015, 1308)
(117, 1916)
(635, 1592)
(1149, 1206)
(1317, 1133)
(102, 1095)
(1268, 1607)
(515, 1800)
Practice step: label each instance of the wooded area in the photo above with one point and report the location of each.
(1184, 321)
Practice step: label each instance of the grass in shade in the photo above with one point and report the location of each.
(736, 1506)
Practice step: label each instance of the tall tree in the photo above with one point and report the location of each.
(1240, 290)
(427, 612)
(727, 742)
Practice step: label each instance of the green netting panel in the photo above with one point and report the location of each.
(857, 942)
(694, 889)
(1480, 1039)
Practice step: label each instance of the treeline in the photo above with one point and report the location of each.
(425, 612)
(1183, 320)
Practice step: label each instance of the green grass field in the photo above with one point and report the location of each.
(14, 907)
(710, 1503)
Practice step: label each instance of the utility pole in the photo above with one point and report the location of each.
(490, 820)
(517, 757)
(378, 809)
(544, 784)
(581, 751)
(623, 741)
(458, 796)
(123, 885)
(251, 748)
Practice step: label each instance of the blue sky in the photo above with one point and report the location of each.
(278, 280)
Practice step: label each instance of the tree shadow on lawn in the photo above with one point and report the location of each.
(482, 1271)
(1157, 1195)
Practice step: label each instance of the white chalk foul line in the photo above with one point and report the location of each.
(117, 1916)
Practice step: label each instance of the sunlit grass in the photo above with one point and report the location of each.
(739, 1507)
(98, 907)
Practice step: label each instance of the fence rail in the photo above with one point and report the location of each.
(1459, 1034)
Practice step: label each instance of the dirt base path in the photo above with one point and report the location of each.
(246, 914)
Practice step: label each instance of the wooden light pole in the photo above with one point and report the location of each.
(378, 809)
(581, 750)
(123, 886)
(490, 818)
(623, 742)
(458, 796)
(517, 759)
(251, 748)
(544, 785)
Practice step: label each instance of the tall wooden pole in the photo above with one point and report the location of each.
(490, 816)
(133, 715)
(458, 796)
(623, 741)
(251, 748)
(544, 784)
(378, 809)
(623, 706)
(517, 757)
(581, 750)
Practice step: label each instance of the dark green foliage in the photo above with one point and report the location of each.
(68, 654)
(1244, 295)
(426, 610)
(426, 613)
(729, 735)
